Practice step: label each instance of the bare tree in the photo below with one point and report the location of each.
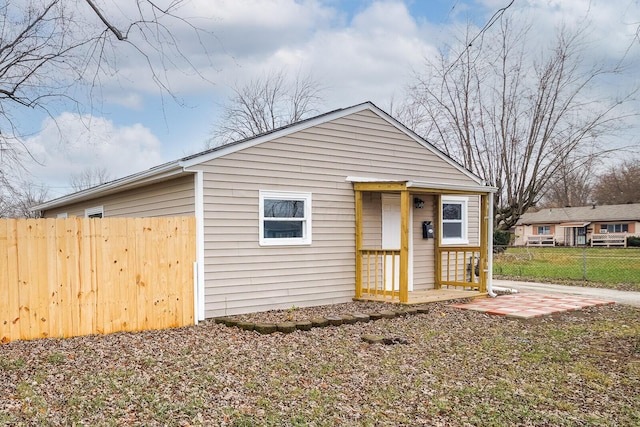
(265, 104)
(571, 185)
(51, 49)
(89, 177)
(17, 198)
(619, 185)
(512, 117)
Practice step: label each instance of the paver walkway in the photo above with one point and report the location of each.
(620, 297)
(529, 305)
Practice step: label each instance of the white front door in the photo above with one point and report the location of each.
(391, 240)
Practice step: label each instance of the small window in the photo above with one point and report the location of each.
(62, 215)
(95, 212)
(454, 220)
(544, 229)
(285, 218)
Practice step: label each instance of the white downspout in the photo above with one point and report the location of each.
(490, 250)
(198, 297)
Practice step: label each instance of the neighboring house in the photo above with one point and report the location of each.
(319, 212)
(606, 225)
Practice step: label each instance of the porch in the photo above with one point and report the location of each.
(425, 297)
(460, 271)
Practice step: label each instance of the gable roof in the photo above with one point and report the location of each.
(594, 213)
(182, 165)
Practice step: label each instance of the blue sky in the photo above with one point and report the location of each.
(359, 50)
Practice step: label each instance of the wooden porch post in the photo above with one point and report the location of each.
(405, 211)
(358, 206)
(436, 246)
(484, 241)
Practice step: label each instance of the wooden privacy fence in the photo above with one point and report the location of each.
(80, 276)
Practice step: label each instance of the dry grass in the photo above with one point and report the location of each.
(458, 368)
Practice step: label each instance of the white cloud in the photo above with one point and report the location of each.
(369, 58)
(358, 50)
(70, 143)
(133, 101)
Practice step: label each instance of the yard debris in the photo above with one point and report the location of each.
(377, 339)
(394, 340)
(372, 339)
(454, 370)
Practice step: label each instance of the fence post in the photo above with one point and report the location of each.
(584, 263)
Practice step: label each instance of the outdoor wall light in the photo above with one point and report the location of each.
(418, 203)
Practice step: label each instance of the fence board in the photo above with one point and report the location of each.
(79, 276)
(13, 316)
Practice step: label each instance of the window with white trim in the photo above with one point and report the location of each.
(454, 220)
(614, 228)
(285, 218)
(543, 229)
(62, 215)
(95, 212)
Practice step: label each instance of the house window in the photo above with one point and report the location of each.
(95, 212)
(454, 220)
(544, 229)
(285, 218)
(62, 215)
(614, 228)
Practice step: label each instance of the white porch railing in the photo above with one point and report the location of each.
(541, 240)
(609, 239)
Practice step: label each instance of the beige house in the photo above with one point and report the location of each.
(349, 204)
(607, 225)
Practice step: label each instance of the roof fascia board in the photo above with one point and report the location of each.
(135, 180)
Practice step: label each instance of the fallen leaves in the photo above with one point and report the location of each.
(453, 367)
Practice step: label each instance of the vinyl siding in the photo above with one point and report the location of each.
(241, 276)
(473, 216)
(372, 220)
(174, 197)
(424, 249)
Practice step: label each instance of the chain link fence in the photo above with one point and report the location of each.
(610, 267)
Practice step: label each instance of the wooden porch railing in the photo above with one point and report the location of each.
(377, 280)
(462, 267)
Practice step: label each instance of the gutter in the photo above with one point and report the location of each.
(490, 291)
(150, 175)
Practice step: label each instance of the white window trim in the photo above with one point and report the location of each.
(286, 195)
(94, 210)
(544, 229)
(464, 239)
(62, 215)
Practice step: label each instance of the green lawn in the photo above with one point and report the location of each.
(619, 268)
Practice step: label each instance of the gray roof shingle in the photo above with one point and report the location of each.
(628, 212)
